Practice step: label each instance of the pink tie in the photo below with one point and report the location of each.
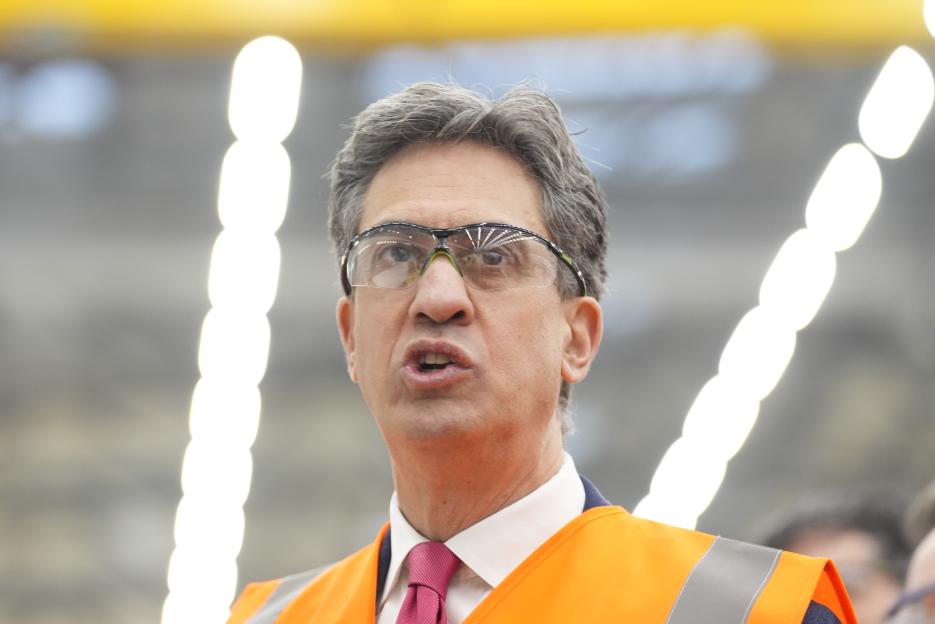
(431, 566)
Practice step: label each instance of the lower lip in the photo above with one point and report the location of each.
(418, 379)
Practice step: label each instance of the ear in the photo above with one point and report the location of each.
(345, 317)
(585, 327)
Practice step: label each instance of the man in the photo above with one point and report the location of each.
(920, 517)
(917, 604)
(472, 241)
(864, 538)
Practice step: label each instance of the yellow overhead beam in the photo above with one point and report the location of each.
(191, 25)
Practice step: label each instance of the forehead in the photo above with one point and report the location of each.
(850, 545)
(447, 185)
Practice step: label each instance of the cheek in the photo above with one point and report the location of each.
(529, 345)
(375, 329)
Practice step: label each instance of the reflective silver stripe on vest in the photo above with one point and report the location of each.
(724, 584)
(288, 590)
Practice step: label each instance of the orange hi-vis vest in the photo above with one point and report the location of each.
(603, 566)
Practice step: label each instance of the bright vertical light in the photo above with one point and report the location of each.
(254, 174)
(757, 353)
(792, 291)
(845, 197)
(222, 410)
(233, 347)
(897, 104)
(684, 485)
(798, 280)
(721, 417)
(235, 336)
(244, 272)
(265, 88)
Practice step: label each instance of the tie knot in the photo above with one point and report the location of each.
(432, 565)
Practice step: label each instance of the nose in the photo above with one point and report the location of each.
(441, 294)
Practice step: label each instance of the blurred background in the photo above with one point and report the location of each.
(707, 123)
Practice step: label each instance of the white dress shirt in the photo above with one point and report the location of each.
(490, 549)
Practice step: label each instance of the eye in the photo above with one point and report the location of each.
(396, 253)
(498, 257)
(493, 257)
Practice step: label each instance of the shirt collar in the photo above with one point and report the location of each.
(496, 545)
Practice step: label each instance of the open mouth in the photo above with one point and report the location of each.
(433, 361)
(431, 365)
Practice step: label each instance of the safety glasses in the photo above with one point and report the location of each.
(489, 256)
(910, 609)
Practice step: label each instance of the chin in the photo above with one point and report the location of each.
(437, 429)
(437, 421)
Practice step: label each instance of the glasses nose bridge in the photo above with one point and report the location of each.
(440, 250)
(441, 239)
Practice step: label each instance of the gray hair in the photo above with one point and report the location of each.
(525, 123)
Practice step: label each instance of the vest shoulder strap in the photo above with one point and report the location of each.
(284, 593)
(724, 584)
(341, 592)
(610, 566)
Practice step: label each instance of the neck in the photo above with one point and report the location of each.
(446, 487)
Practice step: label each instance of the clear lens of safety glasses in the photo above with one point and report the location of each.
(488, 256)
(389, 257)
(911, 608)
(911, 614)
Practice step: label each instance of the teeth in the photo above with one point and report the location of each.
(434, 358)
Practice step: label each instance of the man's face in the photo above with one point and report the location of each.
(507, 348)
(920, 579)
(856, 555)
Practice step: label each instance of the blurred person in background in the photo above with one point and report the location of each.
(471, 240)
(920, 517)
(861, 534)
(917, 603)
